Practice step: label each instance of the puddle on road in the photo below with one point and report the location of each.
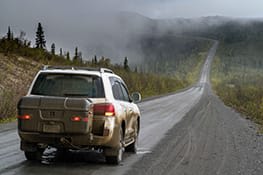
(143, 151)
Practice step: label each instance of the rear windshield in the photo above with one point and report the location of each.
(68, 85)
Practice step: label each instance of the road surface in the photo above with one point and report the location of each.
(186, 133)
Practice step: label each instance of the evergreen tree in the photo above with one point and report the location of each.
(53, 48)
(76, 56)
(40, 38)
(95, 60)
(60, 52)
(68, 56)
(80, 57)
(125, 64)
(9, 34)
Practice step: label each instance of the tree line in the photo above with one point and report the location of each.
(10, 44)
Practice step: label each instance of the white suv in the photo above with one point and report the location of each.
(79, 108)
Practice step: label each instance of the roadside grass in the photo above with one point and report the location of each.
(8, 119)
(238, 81)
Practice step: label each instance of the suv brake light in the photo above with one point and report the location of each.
(79, 119)
(24, 117)
(75, 119)
(106, 109)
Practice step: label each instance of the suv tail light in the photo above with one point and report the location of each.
(105, 109)
(79, 119)
(76, 119)
(24, 117)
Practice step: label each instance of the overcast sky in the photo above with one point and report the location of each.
(79, 15)
(198, 8)
(17, 12)
(150, 8)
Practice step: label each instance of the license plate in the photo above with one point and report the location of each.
(51, 128)
(51, 114)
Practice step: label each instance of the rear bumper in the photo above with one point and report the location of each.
(71, 140)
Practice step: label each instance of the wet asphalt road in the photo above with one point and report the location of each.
(190, 132)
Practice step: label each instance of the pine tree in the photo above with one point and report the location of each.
(95, 60)
(76, 56)
(60, 52)
(53, 48)
(9, 34)
(125, 64)
(40, 38)
(80, 57)
(68, 56)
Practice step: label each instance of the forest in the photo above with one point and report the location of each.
(170, 64)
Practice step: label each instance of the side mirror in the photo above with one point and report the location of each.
(136, 97)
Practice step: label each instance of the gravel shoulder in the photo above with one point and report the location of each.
(210, 139)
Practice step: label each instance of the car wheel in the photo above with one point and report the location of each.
(115, 160)
(134, 146)
(36, 155)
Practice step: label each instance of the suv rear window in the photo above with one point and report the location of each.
(68, 85)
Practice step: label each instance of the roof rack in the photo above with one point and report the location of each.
(101, 70)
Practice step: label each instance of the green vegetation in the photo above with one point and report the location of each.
(239, 86)
(237, 73)
(19, 62)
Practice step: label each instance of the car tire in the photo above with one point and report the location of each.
(32, 156)
(116, 159)
(132, 148)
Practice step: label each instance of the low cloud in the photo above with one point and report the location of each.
(100, 27)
